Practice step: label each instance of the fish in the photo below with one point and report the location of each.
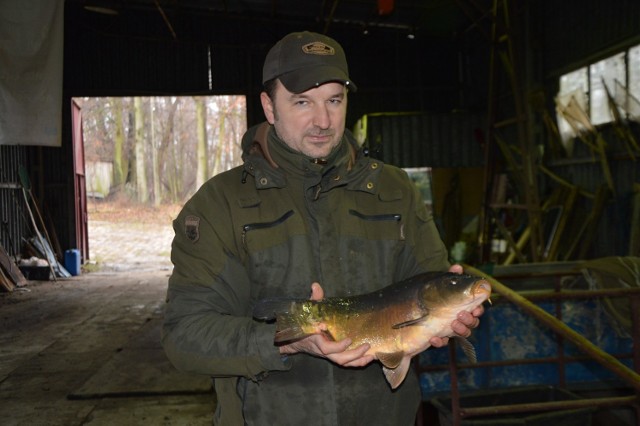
(397, 321)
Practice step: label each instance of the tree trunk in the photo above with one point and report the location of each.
(142, 191)
(155, 166)
(118, 144)
(201, 126)
(222, 141)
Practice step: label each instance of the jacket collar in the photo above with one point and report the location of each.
(263, 162)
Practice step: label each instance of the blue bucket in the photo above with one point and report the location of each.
(72, 261)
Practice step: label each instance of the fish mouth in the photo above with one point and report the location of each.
(482, 288)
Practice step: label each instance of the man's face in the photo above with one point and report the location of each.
(311, 122)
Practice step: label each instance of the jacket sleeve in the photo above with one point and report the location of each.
(208, 327)
(427, 251)
(429, 247)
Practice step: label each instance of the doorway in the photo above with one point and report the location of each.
(144, 157)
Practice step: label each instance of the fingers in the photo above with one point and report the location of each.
(352, 357)
(439, 342)
(317, 293)
(337, 352)
(456, 269)
(465, 322)
(355, 357)
(468, 319)
(477, 312)
(317, 345)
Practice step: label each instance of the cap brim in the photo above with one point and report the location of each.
(301, 80)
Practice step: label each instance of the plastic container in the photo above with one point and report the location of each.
(528, 395)
(72, 261)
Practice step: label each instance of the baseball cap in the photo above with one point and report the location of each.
(303, 60)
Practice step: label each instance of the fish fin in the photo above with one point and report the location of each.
(287, 329)
(390, 359)
(328, 335)
(268, 309)
(395, 376)
(410, 322)
(467, 348)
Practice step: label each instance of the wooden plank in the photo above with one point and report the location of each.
(10, 269)
(5, 283)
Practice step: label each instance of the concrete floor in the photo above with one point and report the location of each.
(86, 351)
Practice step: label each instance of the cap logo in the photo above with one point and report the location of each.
(318, 48)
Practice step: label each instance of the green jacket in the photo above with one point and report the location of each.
(270, 228)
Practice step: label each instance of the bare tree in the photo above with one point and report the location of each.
(202, 173)
(142, 190)
(155, 171)
(118, 143)
(173, 148)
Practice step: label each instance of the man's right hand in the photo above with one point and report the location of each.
(319, 345)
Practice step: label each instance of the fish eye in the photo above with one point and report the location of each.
(454, 281)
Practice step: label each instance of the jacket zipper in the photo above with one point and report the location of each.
(376, 217)
(263, 225)
(381, 217)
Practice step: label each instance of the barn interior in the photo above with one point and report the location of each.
(525, 113)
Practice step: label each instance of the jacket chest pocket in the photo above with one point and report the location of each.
(377, 226)
(262, 234)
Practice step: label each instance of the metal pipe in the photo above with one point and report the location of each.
(549, 406)
(606, 360)
(455, 392)
(572, 294)
(634, 304)
(512, 362)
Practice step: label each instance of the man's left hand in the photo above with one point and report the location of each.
(465, 322)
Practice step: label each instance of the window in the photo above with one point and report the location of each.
(587, 95)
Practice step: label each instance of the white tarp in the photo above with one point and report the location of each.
(31, 49)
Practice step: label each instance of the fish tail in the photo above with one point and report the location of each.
(467, 348)
(288, 328)
(395, 376)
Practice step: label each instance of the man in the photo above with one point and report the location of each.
(307, 215)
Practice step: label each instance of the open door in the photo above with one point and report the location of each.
(79, 183)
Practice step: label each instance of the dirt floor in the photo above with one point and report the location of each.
(86, 350)
(126, 237)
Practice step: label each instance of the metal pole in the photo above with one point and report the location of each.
(455, 392)
(549, 406)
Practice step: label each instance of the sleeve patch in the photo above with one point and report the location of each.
(192, 228)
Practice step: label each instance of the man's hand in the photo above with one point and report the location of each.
(319, 345)
(465, 322)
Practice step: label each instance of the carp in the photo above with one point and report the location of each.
(397, 321)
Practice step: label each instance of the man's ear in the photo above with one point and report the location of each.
(267, 107)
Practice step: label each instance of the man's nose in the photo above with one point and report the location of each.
(321, 117)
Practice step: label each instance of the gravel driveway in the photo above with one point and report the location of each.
(129, 246)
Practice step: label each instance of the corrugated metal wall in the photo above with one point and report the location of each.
(14, 217)
(57, 200)
(423, 140)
